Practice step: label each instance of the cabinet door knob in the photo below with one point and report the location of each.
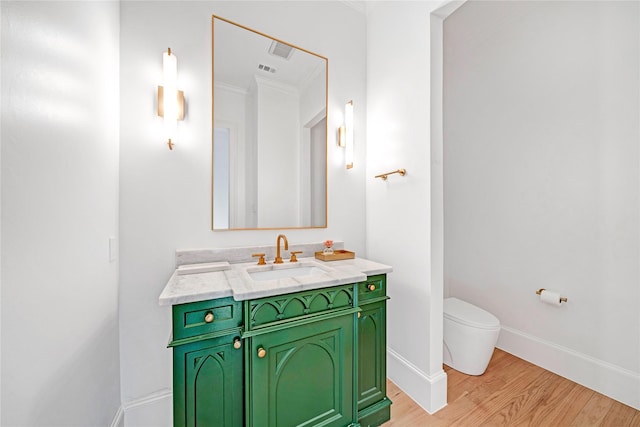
(237, 343)
(261, 352)
(359, 315)
(209, 317)
(371, 287)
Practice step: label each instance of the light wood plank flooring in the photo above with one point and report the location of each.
(513, 392)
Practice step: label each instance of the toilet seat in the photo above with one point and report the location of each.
(467, 314)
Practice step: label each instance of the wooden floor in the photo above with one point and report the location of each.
(513, 392)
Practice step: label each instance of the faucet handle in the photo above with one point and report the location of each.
(261, 260)
(293, 256)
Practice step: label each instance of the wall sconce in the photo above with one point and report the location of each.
(345, 135)
(170, 99)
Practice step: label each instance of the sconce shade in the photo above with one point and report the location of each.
(348, 134)
(170, 99)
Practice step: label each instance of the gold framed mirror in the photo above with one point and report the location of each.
(269, 162)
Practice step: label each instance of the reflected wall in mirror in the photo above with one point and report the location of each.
(269, 132)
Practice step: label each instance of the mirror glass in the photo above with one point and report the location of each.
(270, 132)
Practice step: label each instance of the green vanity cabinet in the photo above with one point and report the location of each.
(300, 358)
(302, 375)
(373, 404)
(208, 364)
(208, 384)
(311, 358)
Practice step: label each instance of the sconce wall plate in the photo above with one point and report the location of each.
(161, 103)
(342, 136)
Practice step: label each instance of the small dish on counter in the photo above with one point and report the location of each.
(336, 255)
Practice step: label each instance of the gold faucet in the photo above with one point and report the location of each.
(286, 248)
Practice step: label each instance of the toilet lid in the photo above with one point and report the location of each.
(468, 314)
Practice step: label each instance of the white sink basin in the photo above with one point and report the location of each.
(281, 273)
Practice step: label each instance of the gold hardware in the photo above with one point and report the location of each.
(286, 248)
(562, 299)
(209, 317)
(237, 343)
(261, 352)
(293, 256)
(384, 176)
(261, 260)
(359, 315)
(371, 287)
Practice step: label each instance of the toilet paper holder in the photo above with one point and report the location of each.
(539, 291)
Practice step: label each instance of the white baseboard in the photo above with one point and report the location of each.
(154, 409)
(605, 378)
(118, 418)
(428, 391)
(149, 398)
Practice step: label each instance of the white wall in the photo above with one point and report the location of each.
(60, 356)
(231, 104)
(165, 195)
(399, 210)
(310, 189)
(278, 148)
(542, 123)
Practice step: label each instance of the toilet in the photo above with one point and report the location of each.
(470, 335)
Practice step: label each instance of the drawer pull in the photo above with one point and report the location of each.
(261, 352)
(371, 287)
(209, 317)
(237, 343)
(359, 315)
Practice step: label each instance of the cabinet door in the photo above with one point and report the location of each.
(207, 384)
(303, 375)
(372, 343)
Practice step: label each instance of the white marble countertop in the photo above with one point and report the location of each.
(235, 280)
